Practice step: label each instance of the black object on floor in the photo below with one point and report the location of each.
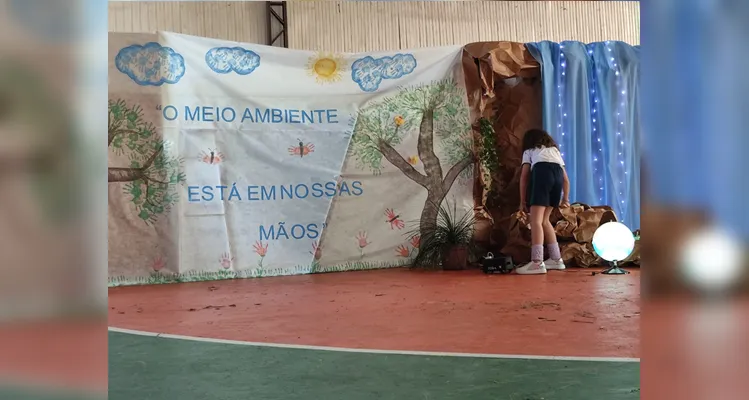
(500, 264)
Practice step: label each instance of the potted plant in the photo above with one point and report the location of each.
(446, 243)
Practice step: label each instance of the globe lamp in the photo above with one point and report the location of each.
(613, 242)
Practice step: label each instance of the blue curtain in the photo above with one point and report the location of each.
(591, 108)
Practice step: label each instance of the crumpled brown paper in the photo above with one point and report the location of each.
(575, 226)
(565, 221)
(488, 65)
(579, 254)
(589, 220)
(579, 221)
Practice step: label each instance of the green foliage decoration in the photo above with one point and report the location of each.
(152, 177)
(488, 154)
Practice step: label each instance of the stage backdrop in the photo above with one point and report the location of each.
(239, 160)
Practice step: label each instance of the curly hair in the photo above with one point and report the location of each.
(534, 138)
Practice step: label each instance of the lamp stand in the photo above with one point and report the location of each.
(614, 270)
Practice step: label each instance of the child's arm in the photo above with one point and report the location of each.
(524, 172)
(565, 188)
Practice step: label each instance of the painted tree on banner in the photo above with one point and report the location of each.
(151, 179)
(441, 113)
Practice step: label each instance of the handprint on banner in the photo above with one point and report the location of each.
(155, 169)
(415, 242)
(402, 251)
(224, 60)
(151, 64)
(158, 264)
(302, 149)
(369, 72)
(261, 251)
(394, 219)
(212, 157)
(226, 260)
(361, 239)
(316, 251)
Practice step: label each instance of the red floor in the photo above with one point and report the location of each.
(60, 354)
(564, 313)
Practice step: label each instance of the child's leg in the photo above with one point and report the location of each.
(537, 233)
(538, 204)
(550, 236)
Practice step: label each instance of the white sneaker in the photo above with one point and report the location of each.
(554, 264)
(532, 268)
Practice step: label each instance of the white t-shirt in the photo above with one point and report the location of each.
(542, 154)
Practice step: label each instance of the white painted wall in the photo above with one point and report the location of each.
(367, 25)
(370, 26)
(241, 21)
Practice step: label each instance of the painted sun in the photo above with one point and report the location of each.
(326, 67)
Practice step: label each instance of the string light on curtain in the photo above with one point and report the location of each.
(619, 127)
(601, 166)
(563, 73)
(595, 123)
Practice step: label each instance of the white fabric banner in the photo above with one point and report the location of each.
(240, 160)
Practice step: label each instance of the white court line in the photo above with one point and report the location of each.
(371, 351)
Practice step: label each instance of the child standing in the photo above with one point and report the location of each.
(543, 185)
